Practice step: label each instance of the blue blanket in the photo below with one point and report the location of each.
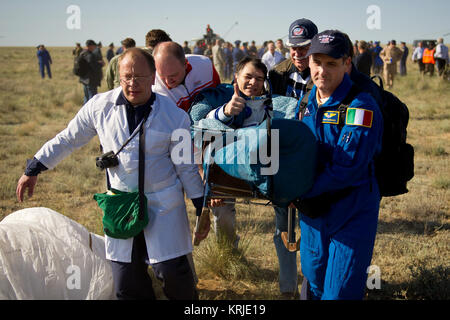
(279, 163)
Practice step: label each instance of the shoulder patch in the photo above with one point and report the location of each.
(359, 117)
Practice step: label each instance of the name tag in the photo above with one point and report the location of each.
(331, 117)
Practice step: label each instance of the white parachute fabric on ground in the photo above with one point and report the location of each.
(46, 255)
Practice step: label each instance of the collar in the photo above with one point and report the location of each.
(121, 100)
(254, 98)
(339, 94)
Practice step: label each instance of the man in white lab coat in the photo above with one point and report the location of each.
(114, 116)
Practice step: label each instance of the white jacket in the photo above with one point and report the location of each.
(200, 74)
(167, 234)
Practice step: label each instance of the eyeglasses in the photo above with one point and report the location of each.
(136, 79)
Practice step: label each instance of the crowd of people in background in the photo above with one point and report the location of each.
(369, 57)
(166, 76)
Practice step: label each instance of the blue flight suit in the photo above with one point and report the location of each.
(44, 62)
(336, 248)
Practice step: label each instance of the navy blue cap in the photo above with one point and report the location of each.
(301, 32)
(330, 42)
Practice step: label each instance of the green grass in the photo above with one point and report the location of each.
(412, 248)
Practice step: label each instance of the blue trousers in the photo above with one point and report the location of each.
(43, 66)
(89, 92)
(287, 260)
(133, 282)
(336, 249)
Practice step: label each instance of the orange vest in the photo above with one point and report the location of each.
(428, 56)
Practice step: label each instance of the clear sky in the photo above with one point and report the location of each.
(30, 22)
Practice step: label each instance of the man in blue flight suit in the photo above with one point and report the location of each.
(44, 61)
(340, 212)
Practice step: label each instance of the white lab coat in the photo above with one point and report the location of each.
(167, 234)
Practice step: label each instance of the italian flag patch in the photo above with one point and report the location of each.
(359, 117)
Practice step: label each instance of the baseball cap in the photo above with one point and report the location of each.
(301, 32)
(330, 42)
(90, 43)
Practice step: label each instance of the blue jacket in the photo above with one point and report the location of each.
(377, 61)
(237, 54)
(44, 57)
(344, 155)
(336, 248)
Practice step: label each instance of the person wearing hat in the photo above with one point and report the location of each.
(390, 55)
(291, 78)
(110, 52)
(112, 71)
(91, 80)
(339, 214)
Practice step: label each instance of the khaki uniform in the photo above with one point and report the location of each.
(390, 57)
(219, 60)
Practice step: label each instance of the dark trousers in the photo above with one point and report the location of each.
(429, 68)
(133, 282)
(403, 68)
(42, 67)
(440, 63)
(89, 92)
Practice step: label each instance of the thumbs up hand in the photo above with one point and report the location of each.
(236, 104)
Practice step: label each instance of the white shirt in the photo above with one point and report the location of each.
(255, 117)
(417, 54)
(167, 234)
(441, 52)
(272, 60)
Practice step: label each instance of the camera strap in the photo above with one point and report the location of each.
(141, 171)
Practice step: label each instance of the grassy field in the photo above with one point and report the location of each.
(412, 248)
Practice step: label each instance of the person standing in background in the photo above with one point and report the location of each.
(428, 59)
(417, 56)
(405, 50)
(441, 56)
(390, 55)
(363, 61)
(272, 57)
(44, 61)
(110, 52)
(77, 50)
(219, 58)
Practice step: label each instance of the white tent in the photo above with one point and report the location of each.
(45, 255)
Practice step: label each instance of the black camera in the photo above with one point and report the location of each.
(107, 160)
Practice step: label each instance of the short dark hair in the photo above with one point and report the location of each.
(128, 43)
(136, 52)
(156, 36)
(257, 63)
(350, 45)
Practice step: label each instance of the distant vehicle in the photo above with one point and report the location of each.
(424, 42)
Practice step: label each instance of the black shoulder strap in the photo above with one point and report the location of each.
(354, 91)
(303, 104)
